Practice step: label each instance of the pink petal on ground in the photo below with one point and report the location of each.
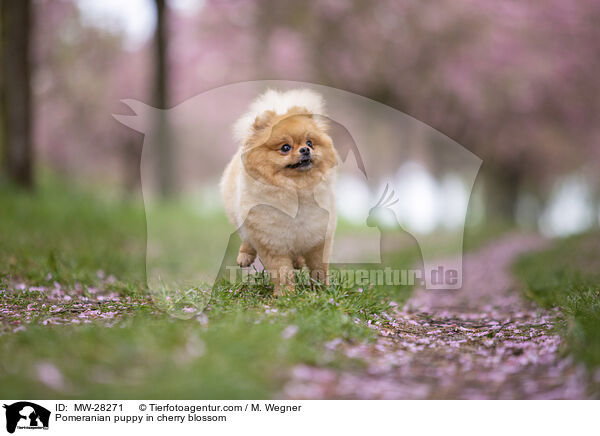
(50, 375)
(289, 332)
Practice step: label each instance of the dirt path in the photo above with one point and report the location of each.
(482, 342)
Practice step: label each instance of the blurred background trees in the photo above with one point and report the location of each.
(514, 82)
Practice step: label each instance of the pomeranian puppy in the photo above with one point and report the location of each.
(278, 189)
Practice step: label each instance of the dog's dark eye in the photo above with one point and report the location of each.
(286, 147)
(309, 143)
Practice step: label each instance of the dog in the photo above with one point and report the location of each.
(278, 189)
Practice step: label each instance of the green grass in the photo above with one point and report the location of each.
(148, 358)
(241, 346)
(567, 276)
(64, 234)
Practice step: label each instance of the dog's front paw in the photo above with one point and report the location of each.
(245, 259)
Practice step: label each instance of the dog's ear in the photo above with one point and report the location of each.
(263, 120)
(260, 129)
(321, 120)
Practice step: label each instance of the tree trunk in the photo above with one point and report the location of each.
(163, 139)
(501, 193)
(16, 117)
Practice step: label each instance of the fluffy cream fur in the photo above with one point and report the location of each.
(280, 103)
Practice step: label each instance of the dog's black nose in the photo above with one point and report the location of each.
(305, 151)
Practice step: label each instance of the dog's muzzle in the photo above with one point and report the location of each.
(305, 162)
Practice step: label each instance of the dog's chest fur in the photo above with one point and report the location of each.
(287, 235)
